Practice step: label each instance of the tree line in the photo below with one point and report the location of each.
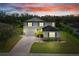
(16, 19)
(10, 23)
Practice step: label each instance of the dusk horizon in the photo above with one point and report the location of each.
(41, 9)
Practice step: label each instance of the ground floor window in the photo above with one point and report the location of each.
(51, 34)
(29, 24)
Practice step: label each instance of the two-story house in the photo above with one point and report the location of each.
(31, 25)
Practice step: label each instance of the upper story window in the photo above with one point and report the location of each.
(29, 24)
(53, 24)
(41, 24)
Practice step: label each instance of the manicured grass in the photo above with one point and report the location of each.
(57, 47)
(46, 47)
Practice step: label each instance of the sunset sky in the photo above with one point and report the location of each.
(41, 9)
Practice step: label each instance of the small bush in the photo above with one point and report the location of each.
(20, 30)
(49, 39)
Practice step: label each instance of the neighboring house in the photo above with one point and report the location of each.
(32, 24)
(75, 28)
(51, 32)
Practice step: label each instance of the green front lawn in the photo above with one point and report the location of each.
(68, 46)
(47, 47)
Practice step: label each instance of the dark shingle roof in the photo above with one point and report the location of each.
(35, 19)
(75, 25)
(38, 19)
(50, 28)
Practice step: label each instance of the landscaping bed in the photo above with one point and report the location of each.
(51, 39)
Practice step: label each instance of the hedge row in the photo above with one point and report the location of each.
(6, 31)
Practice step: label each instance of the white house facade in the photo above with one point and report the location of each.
(35, 22)
(51, 32)
(32, 24)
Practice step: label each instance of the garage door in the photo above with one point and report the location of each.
(30, 31)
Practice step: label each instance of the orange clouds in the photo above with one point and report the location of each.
(52, 8)
(41, 8)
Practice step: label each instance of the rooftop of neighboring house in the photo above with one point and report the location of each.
(49, 28)
(75, 25)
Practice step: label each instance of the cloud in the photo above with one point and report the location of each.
(54, 8)
(42, 7)
(38, 8)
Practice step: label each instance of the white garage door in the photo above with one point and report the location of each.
(30, 31)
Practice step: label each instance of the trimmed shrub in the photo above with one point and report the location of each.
(49, 39)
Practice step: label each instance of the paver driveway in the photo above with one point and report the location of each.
(23, 46)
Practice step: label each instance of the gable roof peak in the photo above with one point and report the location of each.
(35, 19)
(49, 28)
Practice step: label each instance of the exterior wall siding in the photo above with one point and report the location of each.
(36, 24)
(46, 34)
(57, 34)
(48, 23)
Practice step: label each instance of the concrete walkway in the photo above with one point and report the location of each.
(22, 48)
